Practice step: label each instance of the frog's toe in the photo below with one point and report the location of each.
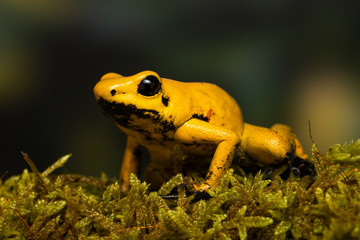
(296, 171)
(267, 173)
(175, 196)
(198, 194)
(301, 167)
(201, 195)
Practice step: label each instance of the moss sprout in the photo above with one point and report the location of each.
(42, 205)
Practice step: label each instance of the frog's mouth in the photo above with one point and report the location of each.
(124, 115)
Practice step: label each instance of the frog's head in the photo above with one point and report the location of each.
(134, 102)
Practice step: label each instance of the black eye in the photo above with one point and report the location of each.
(149, 86)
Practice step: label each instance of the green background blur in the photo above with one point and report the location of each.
(283, 61)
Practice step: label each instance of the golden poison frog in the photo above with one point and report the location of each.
(203, 120)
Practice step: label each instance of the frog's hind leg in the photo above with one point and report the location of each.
(268, 146)
(272, 146)
(287, 131)
(276, 145)
(298, 162)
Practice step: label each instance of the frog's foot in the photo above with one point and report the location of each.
(199, 193)
(301, 167)
(174, 194)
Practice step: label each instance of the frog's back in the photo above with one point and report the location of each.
(207, 102)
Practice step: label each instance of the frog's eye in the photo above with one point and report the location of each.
(149, 86)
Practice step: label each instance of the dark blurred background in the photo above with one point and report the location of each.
(283, 61)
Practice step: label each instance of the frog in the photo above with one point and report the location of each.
(199, 119)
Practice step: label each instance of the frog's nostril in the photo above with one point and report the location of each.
(113, 92)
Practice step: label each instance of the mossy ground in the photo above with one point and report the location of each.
(245, 206)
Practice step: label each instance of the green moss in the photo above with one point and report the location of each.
(244, 206)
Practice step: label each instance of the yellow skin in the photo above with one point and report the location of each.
(201, 118)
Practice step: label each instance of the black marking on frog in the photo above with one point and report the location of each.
(192, 144)
(121, 113)
(200, 117)
(165, 100)
(208, 176)
(138, 152)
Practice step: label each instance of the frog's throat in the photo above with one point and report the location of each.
(124, 114)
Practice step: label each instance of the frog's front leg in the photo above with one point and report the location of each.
(130, 163)
(196, 131)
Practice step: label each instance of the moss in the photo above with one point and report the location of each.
(245, 206)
